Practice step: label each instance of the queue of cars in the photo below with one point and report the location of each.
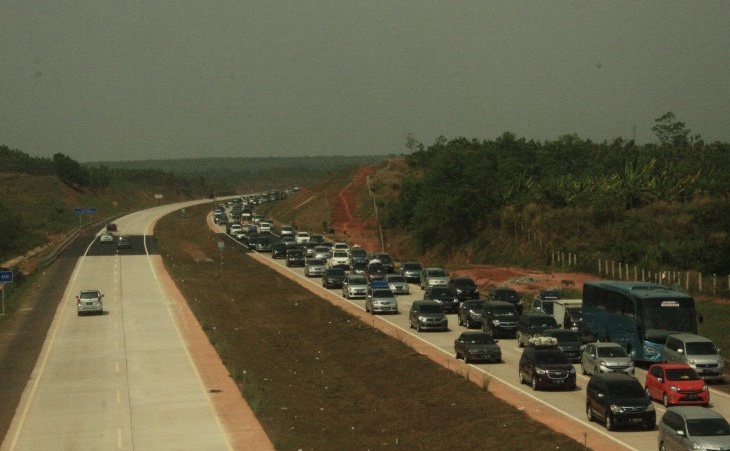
(614, 396)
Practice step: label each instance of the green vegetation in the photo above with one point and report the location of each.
(512, 201)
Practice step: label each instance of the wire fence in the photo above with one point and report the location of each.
(692, 282)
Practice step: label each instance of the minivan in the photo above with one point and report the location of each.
(619, 399)
(698, 352)
(533, 324)
(500, 318)
(693, 428)
(427, 315)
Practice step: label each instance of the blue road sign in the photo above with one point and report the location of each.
(6, 276)
(90, 210)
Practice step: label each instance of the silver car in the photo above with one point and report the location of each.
(89, 301)
(693, 428)
(381, 300)
(433, 277)
(315, 267)
(398, 284)
(355, 286)
(605, 357)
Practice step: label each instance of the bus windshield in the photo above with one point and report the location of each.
(663, 316)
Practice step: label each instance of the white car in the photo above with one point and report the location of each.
(339, 259)
(301, 237)
(106, 237)
(264, 227)
(287, 230)
(89, 302)
(341, 247)
(398, 284)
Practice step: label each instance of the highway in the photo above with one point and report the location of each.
(569, 405)
(124, 380)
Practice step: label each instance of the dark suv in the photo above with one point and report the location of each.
(544, 365)
(465, 288)
(500, 318)
(507, 295)
(471, 313)
(445, 295)
(619, 399)
(333, 278)
(568, 341)
(532, 324)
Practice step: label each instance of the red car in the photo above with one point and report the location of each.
(676, 383)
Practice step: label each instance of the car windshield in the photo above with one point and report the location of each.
(411, 266)
(611, 351)
(476, 306)
(358, 280)
(682, 374)
(463, 283)
(336, 272)
(315, 262)
(543, 322)
(436, 273)
(708, 427)
(441, 291)
(396, 279)
(701, 348)
(550, 357)
(479, 339)
(89, 295)
(431, 309)
(626, 390)
(383, 294)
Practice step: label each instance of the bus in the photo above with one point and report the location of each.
(639, 316)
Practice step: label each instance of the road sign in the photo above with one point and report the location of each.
(6, 276)
(85, 211)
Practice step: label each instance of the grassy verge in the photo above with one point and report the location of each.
(317, 378)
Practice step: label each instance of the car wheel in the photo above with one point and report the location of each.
(461, 321)
(534, 383)
(583, 369)
(665, 400)
(468, 323)
(519, 340)
(662, 447)
(466, 358)
(410, 323)
(521, 377)
(418, 326)
(648, 393)
(589, 413)
(609, 423)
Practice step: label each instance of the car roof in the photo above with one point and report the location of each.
(695, 412)
(468, 333)
(690, 337)
(615, 377)
(670, 366)
(605, 344)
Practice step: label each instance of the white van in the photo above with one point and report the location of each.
(698, 352)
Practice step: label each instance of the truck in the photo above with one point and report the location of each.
(568, 313)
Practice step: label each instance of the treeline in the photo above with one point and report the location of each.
(511, 200)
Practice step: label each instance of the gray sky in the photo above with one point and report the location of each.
(136, 80)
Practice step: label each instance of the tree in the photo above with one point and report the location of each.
(671, 132)
(69, 171)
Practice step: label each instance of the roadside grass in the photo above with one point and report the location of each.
(318, 378)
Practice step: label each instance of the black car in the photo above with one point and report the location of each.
(619, 399)
(544, 365)
(532, 324)
(359, 268)
(568, 341)
(506, 294)
(465, 288)
(358, 255)
(500, 318)
(385, 259)
(278, 250)
(446, 295)
(294, 257)
(470, 313)
(477, 345)
(375, 271)
(333, 278)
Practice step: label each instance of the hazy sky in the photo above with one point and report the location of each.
(136, 80)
